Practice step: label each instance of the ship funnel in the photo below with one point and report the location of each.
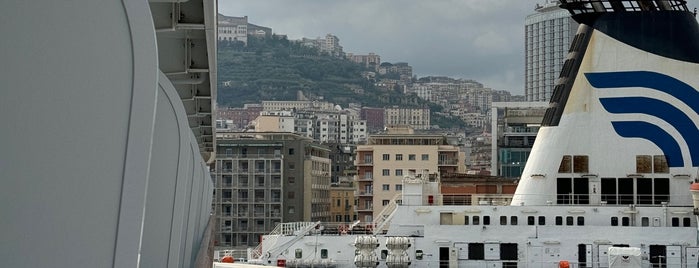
(601, 6)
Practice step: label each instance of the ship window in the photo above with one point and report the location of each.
(675, 222)
(323, 253)
(542, 220)
(645, 221)
(615, 221)
(625, 191)
(609, 190)
(476, 220)
(486, 220)
(660, 164)
(662, 190)
(644, 164)
(466, 220)
(476, 251)
(298, 253)
(644, 191)
(384, 254)
(508, 252)
(559, 220)
(624, 221)
(418, 254)
(564, 189)
(565, 164)
(686, 222)
(581, 220)
(530, 220)
(503, 220)
(580, 164)
(513, 220)
(569, 220)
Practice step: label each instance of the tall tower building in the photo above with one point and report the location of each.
(548, 33)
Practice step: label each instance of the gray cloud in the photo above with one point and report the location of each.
(475, 39)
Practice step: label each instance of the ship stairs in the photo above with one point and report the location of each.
(384, 218)
(298, 229)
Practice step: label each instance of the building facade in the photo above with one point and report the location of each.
(385, 159)
(342, 197)
(263, 179)
(417, 118)
(548, 34)
(514, 127)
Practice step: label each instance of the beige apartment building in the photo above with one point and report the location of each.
(417, 118)
(382, 163)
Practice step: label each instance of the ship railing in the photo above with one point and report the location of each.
(299, 229)
(384, 217)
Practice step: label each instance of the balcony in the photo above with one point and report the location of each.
(448, 162)
(365, 162)
(365, 178)
(365, 193)
(365, 209)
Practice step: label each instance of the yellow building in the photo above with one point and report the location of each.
(342, 202)
(382, 163)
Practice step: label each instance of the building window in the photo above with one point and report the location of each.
(386, 187)
(291, 180)
(292, 210)
(399, 172)
(411, 157)
(384, 202)
(425, 157)
(399, 187)
(290, 194)
(399, 157)
(386, 172)
(291, 151)
(386, 157)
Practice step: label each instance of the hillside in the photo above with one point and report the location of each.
(277, 69)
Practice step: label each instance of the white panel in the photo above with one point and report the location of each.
(462, 249)
(535, 256)
(603, 255)
(492, 251)
(70, 97)
(692, 256)
(674, 256)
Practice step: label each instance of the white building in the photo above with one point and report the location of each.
(548, 34)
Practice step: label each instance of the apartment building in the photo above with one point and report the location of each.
(514, 126)
(342, 196)
(385, 159)
(548, 33)
(263, 179)
(417, 118)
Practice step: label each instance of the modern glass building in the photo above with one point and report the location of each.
(548, 33)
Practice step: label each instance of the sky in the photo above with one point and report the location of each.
(481, 40)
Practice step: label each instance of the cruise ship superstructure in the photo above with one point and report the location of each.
(609, 181)
(107, 112)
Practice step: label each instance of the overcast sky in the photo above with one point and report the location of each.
(475, 39)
